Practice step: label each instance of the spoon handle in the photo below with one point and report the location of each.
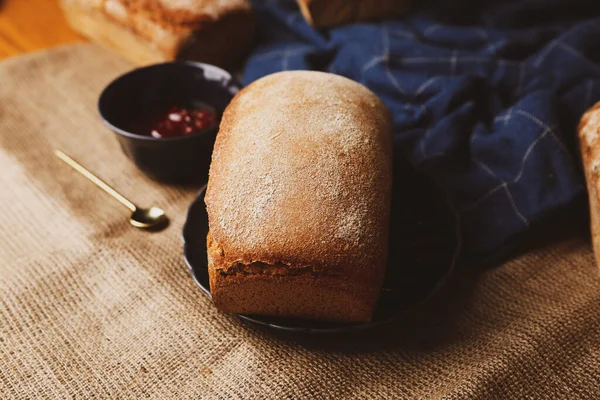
(101, 184)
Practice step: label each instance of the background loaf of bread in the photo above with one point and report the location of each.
(324, 13)
(589, 143)
(218, 32)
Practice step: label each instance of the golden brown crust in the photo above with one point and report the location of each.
(179, 15)
(214, 31)
(286, 290)
(302, 296)
(300, 181)
(324, 13)
(589, 142)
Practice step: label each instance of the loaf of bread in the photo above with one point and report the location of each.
(589, 142)
(299, 198)
(218, 32)
(325, 13)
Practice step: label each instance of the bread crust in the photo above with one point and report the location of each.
(589, 142)
(299, 195)
(214, 31)
(324, 13)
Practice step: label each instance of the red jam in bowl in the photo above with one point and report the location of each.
(178, 121)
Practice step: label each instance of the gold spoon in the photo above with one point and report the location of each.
(143, 218)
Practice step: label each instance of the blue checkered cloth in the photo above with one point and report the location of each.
(485, 98)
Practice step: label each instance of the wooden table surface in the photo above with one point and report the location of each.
(30, 25)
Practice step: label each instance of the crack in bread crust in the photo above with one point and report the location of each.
(259, 267)
(265, 269)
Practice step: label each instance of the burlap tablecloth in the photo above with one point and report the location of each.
(92, 308)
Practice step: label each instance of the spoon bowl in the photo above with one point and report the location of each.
(148, 218)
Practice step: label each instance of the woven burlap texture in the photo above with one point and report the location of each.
(93, 308)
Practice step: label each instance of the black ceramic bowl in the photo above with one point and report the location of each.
(143, 93)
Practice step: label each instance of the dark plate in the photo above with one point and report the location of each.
(424, 246)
